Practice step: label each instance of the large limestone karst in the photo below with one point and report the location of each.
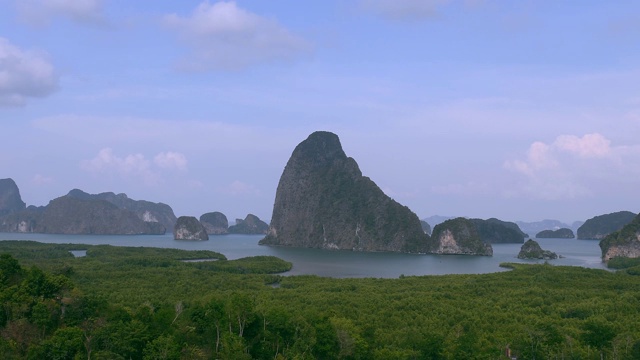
(622, 243)
(250, 225)
(597, 228)
(457, 236)
(189, 228)
(70, 215)
(10, 199)
(145, 210)
(82, 213)
(324, 201)
(215, 223)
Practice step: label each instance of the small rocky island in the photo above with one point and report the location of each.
(563, 233)
(250, 225)
(458, 236)
(532, 250)
(215, 223)
(622, 243)
(189, 228)
(323, 201)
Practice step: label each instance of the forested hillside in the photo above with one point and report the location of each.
(145, 303)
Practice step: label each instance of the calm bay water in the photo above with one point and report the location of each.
(343, 264)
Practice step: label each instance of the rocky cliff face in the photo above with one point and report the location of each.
(532, 250)
(10, 199)
(494, 231)
(250, 225)
(189, 228)
(145, 210)
(215, 223)
(597, 228)
(323, 201)
(457, 236)
(563, 233)
(622, 243)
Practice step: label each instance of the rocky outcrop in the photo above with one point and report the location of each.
(189, 228)
(323, 201)
(145, 210)
(532, 250)
(69, 215)
(622, 243)
(494, 231)
(250, 225)
(457, 236)
(10, 199)
(215, 223)
(597, 228)
(563, 233)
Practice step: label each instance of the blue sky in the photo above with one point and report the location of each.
(521, 110)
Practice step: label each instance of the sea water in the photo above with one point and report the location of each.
(344, 263)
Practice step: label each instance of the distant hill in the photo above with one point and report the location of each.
(563, 233)
(597, 228)
(437, 219)
(537, 226)
(495, 231)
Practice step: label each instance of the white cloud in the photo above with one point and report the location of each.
(41, 12)
(589, 146)
(572, 167)
(403, 9)
(171, 160)
(224, 36)
(24, 74)
(107, 162)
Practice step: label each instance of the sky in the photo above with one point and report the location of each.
(520, 110)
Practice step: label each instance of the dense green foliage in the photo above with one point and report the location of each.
(113, 305)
